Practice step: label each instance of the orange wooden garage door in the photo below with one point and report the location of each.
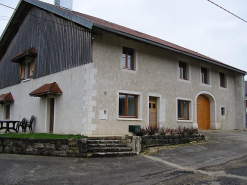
(203, 112)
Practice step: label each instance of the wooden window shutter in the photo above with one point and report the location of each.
(32, 64)
(22, 71)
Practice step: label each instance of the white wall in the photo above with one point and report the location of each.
(69, 107)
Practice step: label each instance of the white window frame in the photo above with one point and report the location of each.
(26, 62)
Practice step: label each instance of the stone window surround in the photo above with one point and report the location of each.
(188, 70)
(223, 107)
(135, 61)
(139, 94)
(190, 109)
(226, 80)
(208, 76)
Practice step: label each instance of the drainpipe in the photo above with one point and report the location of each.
(245, 105)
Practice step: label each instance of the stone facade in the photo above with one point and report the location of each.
(104, 146)
(46, 147)
(150, 141)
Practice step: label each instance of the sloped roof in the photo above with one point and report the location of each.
(103, 24)
(90, 22)
(46, 89)
(6, 98)
(28, 52)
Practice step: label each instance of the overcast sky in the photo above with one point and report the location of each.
(195, 24)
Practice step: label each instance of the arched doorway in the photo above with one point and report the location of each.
(203, 112)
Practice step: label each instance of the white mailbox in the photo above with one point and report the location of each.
(102, 114)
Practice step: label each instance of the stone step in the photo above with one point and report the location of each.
(107, 147)
(105, 138)
(111, 154)
(110, 149)
(94, 145)
(102, 141)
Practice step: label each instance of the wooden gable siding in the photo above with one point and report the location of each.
(60, 45)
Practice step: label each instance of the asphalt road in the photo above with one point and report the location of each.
(221, 160)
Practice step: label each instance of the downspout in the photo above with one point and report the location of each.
(245, 104)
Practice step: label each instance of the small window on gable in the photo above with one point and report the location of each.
(27, 68)
(204, 75)
(26, 60)
(222, 80)
(128, 61)
(183, 71)
(183, 110)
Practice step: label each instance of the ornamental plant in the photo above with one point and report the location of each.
(167, 131)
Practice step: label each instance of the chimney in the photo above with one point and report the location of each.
(64, 3)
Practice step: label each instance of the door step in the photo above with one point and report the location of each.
(111, 154)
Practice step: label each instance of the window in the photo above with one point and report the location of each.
(223, 111)
(222, 80)
(26, 61)
(128, 105)
(182, 70)
(27, 68)
(183, 110)
(128, 58)
(204, 75)
(7, 111)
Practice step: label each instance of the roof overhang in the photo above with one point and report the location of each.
(21, 12)
(24, 5)
(47, 89)
(30, 52)
(6, 98)
(66, 14)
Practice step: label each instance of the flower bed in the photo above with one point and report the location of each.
(167, 131)
(160, 140)
(152, 136)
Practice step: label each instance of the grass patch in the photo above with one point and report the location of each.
(42, 136)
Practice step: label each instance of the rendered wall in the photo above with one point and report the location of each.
(89, 88)
(70, 107)
(157, 75)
